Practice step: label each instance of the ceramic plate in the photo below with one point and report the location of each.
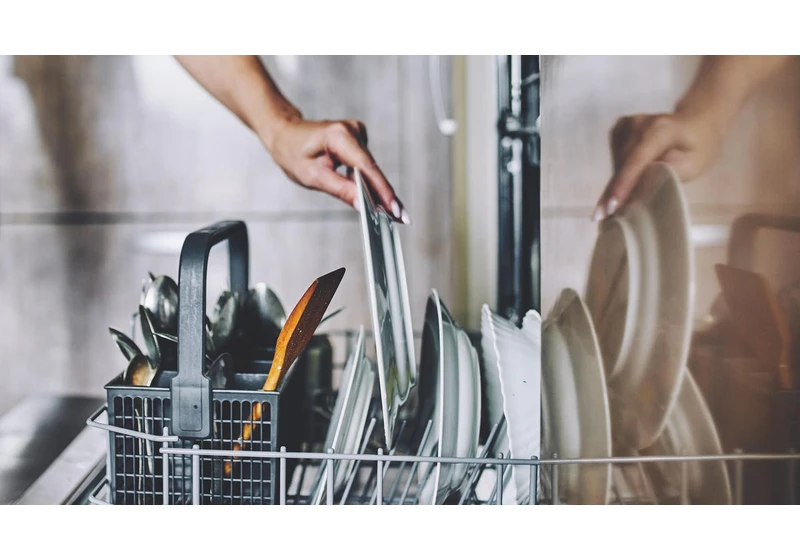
(575, 408)
(518, 362)
(439, 392)
(640, 295)
(469, 406)
(349, 417)
(391, 311)
(690, 430)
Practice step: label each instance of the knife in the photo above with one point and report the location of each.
(295, 334)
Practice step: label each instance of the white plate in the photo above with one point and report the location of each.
(469, 406)
(518, 363)
(439, 396)
(690, 430)
(391, 311)
(640, 295)
(349, 417)
(575, 408)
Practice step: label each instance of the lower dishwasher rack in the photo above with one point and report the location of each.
(390, 477)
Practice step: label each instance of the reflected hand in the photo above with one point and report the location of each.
(689, 143)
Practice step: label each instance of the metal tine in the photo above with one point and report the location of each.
(415, 466)
(533, 486)
(392, 451)
(428, 475)
(477, 469)
(354, 473)
(497, 493)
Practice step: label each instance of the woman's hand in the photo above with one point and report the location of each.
(309, 152)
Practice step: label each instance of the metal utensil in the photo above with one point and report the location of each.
(161, 300)
(140, 373)
(758, 317)
(128, 346)
(296, 332)
(225, 321)
(264, 315)
(220, 371)
(172, 339)
(148, 334)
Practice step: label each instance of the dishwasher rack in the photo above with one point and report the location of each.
(390, 477)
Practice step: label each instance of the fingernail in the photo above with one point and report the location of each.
(396, 210)
(612, 207)
(406, 219)
(598, 214)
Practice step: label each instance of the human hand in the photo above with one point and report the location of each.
(687, 142)
(309, 152)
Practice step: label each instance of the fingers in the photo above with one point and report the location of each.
(657, 137)
(331, 182)
(344, 146)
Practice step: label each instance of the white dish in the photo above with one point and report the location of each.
(640, 295)
(391, 311)
(690, 430)
(450, 395)
(518, 363)
(349, 417)
(575, 405)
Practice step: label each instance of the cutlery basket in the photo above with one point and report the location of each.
(183, 404)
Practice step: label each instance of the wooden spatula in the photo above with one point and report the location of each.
(295, 334)
(758, 317)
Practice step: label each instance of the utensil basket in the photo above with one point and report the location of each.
(181, 409)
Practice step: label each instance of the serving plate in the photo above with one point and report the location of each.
(689, 430)
(349, 417)
(640, 294)
(390, 308)
(575, 409)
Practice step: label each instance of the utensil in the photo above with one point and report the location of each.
(172, 339)
(758, 317)
(224, 321)
(128, 346)
(220, 370)
(296, 332)
(148, 334)
(264, 314)
(161, 300)
(390, 307)
(640, 295)
(140, 371)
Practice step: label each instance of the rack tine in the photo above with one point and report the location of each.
(392, 451)
(428, 475)
(195, 476)
(379, 486)
(283, 477)
(329, 479)
(792, 482)
(554, 485)
(533, 485)
(738, 478)
(499, 488)
(415, 466)
(354, 473)
(165, 470)
(477, 469)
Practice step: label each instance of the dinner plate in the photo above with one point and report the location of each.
(518, 363)
(689, 430)
(391, 311)
(439, 399)
(575, 409)
(469, 406)
(640, 294)
(349, 417)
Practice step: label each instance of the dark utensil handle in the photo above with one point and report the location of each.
(741, 244)
(191, 389)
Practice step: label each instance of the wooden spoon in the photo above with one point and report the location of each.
(758, 317)
(295, 334)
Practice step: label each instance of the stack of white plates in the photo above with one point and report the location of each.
(346, 430)
(512, 360)
(450, 395)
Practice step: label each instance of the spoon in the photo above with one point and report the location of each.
(148, 334)
(161, 300)
(128, 346)
(172, 339)
(264, 314)
(140, 373)
(220, 371)
(226, 314)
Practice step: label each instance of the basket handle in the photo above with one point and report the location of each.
(743, 235)
(190, 390)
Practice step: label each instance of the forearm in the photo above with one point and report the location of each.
(242, 84)
(723, 85)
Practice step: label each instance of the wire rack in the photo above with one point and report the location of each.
(393, 476)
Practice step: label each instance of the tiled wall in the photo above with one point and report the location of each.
(107, 162)
(758, 171)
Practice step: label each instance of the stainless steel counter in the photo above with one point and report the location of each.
(47, 452)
